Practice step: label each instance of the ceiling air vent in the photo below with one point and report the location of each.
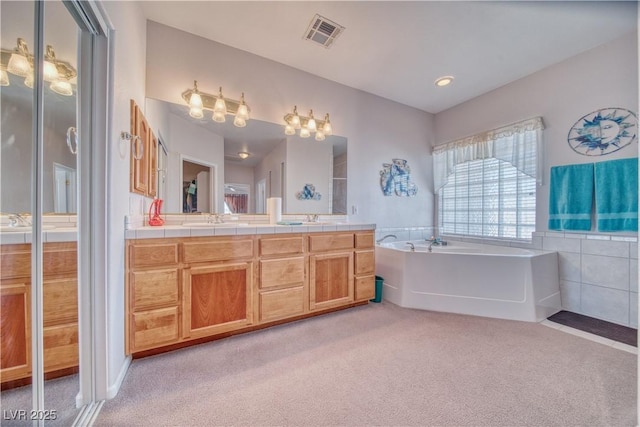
(323, 31)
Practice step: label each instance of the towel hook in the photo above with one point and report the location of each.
(137, 148)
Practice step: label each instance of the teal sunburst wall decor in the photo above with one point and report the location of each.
(603, 132)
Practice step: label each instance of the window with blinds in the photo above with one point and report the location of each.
(488, 198)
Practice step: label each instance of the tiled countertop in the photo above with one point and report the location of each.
(148, 232)
(62, 234)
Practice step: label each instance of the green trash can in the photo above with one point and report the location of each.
(379, 282)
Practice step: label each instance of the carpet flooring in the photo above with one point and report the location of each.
(383, 365)
(598, 327)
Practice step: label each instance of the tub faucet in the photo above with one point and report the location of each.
(413, 248)
(380, 240)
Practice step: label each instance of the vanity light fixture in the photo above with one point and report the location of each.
(217, 104)
(19, 62)
(307, 125)
(243, 155)
(443, 81)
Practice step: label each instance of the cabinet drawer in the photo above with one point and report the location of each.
(364, 240)
(217, 250)
(15, 261)
(154, 288)
(60, 347)
(365, 287)
(281, 303)
(330, 242)
(281, 246)
(365, 262)
(153, 254)
(60, 301)
(155, 328)
(277, 272)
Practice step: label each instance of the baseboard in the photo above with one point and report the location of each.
(113, 389)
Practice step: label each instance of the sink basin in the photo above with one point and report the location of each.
(7, 228)
(210, 224)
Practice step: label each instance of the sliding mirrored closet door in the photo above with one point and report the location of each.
(44, 45)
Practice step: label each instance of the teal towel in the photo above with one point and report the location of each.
(617, 195)
(289, 222)
(571, 197)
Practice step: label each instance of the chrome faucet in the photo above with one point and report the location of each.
(413, 248)
(435, 241)
(19, 220)
(312, 218)
(380, 240)
(215, 218)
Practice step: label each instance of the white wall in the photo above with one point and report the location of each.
(129, 53)
(606, 76)
(269, 170)
(377, 129)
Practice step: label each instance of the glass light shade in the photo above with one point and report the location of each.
(220, 106)
(243, 154)
(289, 130)
(50, 72)
(196, 112)
(304, 132)
(239, 122)
(319, 135)
(295, 121)
(311, 124)
(4, 78)
(218, 117)
(62, 87)
(28, 81)
(18, 65)
(243, 112)
(195, 101)
(327, 129)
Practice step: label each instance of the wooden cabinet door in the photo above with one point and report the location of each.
(217, 298)
(139, 182)
(15, 330)
(331, 280)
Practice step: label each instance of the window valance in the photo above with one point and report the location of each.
(519, 144)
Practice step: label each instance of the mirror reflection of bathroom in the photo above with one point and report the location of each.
(197, 187)
(237, 198)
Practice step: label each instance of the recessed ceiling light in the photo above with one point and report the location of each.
(443, 81)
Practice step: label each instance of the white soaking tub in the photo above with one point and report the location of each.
(469, 278)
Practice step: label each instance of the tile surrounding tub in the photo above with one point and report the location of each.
(633, 251)
(569, 266)
(612, 272)
(633, 309)
(561, 244)
(633, 275)
(606, 248)
(605, 303)
(570, 295)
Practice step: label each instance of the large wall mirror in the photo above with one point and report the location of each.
(245, 166)
(60, 144)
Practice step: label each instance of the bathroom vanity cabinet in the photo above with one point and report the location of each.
(186, 289)
(60, 312)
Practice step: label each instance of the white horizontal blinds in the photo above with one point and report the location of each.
(488, 198)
